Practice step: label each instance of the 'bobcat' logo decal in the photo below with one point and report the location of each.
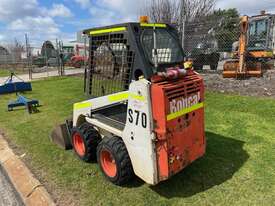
(177, 105)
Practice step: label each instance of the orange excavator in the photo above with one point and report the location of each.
(254, 48)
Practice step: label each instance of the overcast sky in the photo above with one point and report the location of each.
(48, 19)
(249, 7)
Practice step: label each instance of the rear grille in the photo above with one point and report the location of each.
(176, 89)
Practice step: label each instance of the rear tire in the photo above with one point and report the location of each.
(214, 66)
(114, 160)
(85, 140)
(77, 64)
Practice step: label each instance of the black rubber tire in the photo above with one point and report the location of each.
(117, 148)
(198, 67)
(76, 64)
(213, 66)
(91, 139)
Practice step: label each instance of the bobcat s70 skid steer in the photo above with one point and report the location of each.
(145, 114)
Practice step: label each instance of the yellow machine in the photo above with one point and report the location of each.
(255, 47)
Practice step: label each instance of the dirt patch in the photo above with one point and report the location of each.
(261, 87)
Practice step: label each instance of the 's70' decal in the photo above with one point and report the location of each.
(137, 117)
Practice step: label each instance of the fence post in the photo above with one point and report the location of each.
(60, 43)
(183, 32)
(183, 22)
(58, 58)
(28, 57)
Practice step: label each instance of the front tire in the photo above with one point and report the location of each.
(85, 140)
(114, 160)
(198, 67)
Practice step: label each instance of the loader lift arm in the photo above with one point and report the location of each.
(243, 45)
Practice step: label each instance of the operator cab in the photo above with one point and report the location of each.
(122, 53)
(261, 32)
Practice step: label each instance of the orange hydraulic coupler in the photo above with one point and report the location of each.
(178, 113)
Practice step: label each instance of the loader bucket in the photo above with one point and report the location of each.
(61, 136)
(253, 69)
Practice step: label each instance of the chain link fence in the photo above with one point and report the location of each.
(49, 59)
(212, 41)
(209, 42)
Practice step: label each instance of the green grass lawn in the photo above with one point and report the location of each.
(6, 72)
(238, 168)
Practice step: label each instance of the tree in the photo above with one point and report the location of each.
(177, 11)
(166, 11)
(196, 9)
(227, 29)
(201, 22)
(16, 49)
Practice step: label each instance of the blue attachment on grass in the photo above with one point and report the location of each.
(31, 105)
(11, 87)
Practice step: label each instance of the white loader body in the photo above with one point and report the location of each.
(137, 134)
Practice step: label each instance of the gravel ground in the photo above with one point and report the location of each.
(8, 196)
(262, 87)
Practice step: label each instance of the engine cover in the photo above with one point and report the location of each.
(179, 123)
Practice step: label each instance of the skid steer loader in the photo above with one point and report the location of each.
(145, 114)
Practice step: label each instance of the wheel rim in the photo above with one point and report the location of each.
(79, 145)
(108, 163)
